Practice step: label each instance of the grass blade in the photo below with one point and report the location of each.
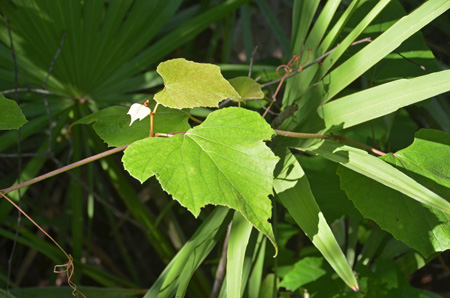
(272, 20)
(309, 100)
(379, 101)
(237, 244)
(254, 282)
(293, 190)
(370, 166)
(383, 45)
(191, 255)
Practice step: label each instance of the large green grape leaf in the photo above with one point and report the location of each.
(11, 116)
(222, 161)
(189, 84)
(422, 227)
(113, 124)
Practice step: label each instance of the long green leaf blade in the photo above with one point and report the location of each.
(423, 228)
(383, 45)
(368, 165)
(237, 244)
(300, 83)
(191, 255)
(379, 101)
(293, 190)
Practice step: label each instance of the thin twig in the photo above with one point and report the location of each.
(368, 148)
(367, 39)
(288, 69)
(19, 157)
(262, 106)
(224, 103)
(152, 116)
(41, 91)
(221, 267)
(251, 62)
(168, 135)
(409, 60)
(52, 64)
(302, 135)
(15, 155)
(44, 96)
(69, 268)
(97, 197)
(78, 164)
(65, 168)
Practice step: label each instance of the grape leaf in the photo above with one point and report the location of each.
(189, 84)
(11, 116)
(222, 161)
(247, 88)
(421, 227)
(113, 124)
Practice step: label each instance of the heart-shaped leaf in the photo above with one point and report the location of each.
(222, 161)
(189, 84)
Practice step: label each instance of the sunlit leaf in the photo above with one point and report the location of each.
(223, 161)
(189, 84)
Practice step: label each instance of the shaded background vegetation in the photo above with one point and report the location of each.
(121, 233)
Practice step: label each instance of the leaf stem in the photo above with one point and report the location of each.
(168, 135)
(152, 115)
(304, 135)
(221, 267)
(195, 119)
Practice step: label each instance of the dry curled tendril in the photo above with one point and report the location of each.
(68, 269)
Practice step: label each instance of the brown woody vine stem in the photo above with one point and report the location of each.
(303, 135)
(290, 134)
(318, 60)
(152, 116)
(64, 169)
